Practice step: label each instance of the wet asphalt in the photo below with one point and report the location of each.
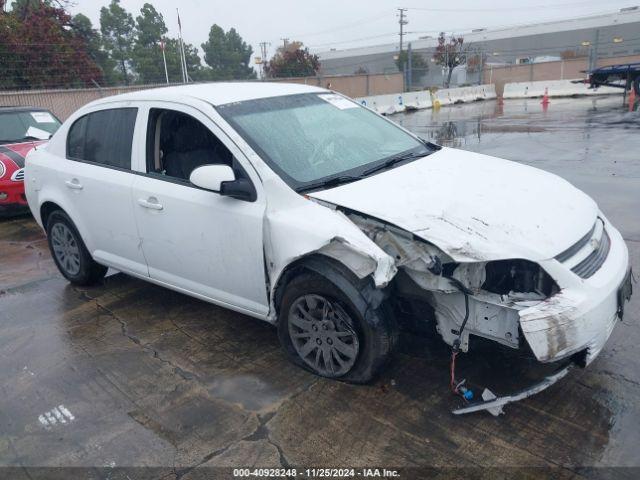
(139, 376)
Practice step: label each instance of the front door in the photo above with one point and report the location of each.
(196, 240)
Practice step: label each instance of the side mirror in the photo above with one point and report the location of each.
(241, 188)
(211, 177)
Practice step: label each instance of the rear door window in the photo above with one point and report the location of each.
(104, 137)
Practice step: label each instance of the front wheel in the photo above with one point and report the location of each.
(69, 252)
(334, 332)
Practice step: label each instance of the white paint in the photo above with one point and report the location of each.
(474, 207)
(217, 93)
(42, 419)
(66, 412)
(469, 207)
(57, 415)
(210, 177)
(51, 418)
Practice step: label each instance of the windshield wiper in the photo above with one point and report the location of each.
(395, 159)
(20, 140)
(331, 182)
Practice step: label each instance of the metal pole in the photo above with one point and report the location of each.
(184, 74)
(164, 59)
(410, 69)
(405, 77)
(402, 23)
(593, 51)
(183, 58)
(481, 67)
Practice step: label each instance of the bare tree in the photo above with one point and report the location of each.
(449, 54)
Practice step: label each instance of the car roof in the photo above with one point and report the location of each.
(216, 93)
(22, 109)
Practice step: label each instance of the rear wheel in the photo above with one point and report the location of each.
(335, 332)
(69, 252)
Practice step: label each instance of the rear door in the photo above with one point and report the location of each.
(97, 179)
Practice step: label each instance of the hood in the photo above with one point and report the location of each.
(474, 207)
(13, 154)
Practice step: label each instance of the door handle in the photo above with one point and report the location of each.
(150, 203)
(74, 184)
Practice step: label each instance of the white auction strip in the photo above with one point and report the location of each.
(57, 415)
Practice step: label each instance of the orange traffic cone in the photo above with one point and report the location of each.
(545, 97)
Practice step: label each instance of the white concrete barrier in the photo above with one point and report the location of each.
(556, 88)
(417, 100)
(399, 102)
(451, 96)
(384, 104)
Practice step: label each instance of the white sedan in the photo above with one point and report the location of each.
(298, 206)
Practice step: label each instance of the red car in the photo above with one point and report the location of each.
(21, 129)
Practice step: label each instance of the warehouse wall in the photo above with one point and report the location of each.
(573, 68)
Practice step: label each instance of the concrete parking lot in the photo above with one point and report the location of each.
(139, 376)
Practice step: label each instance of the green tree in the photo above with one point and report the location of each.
(194, 66)
(83, 28)
(418, 62)
(292, 61)
(147, 61)
(118, 31)
(147, 51)
(227, 55)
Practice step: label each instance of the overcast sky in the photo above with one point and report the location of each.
(327, 24)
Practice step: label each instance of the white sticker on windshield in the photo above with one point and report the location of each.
(338, 101)
(38, 133)
(43, 117)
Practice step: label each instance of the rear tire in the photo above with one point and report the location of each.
(70, 253)
(343, 335)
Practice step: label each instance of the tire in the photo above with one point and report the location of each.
(70, 253)
(363, 334)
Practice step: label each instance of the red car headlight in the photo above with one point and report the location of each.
(3, 169)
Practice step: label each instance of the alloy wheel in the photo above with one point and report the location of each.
(65, 248)
(322, 334)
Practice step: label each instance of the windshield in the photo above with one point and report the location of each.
(311, 139)
(27, 125)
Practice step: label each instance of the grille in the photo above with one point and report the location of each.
(587, 255)
(18, 175)
(593, 262)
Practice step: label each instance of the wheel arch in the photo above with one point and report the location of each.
(46, 209)
(362, 290)
(52, 203)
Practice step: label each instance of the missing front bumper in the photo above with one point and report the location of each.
(494, 405)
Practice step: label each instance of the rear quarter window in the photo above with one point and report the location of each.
(104, 137)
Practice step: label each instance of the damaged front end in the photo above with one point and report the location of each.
(515, 303)
(495, 291)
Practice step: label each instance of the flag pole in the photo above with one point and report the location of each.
(164, 59)
(183, 58)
